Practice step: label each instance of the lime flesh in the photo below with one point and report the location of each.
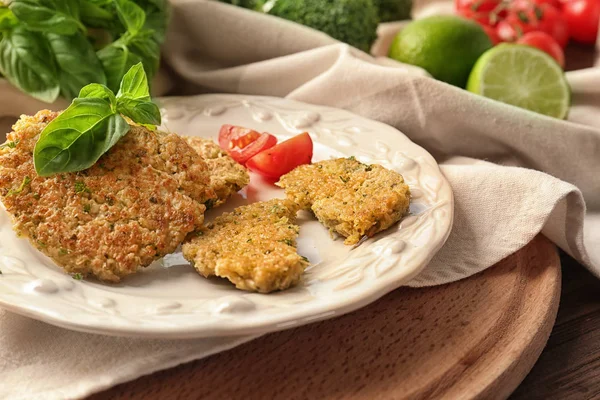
(524, 77)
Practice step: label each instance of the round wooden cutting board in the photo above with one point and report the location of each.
(473, 339)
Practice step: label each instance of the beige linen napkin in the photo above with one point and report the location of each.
(500, 206)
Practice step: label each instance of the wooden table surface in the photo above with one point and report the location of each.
(569, 367)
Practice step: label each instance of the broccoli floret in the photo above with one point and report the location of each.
(393, 10)
(251, 4)
(350, 21)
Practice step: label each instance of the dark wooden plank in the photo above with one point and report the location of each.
(569, 367)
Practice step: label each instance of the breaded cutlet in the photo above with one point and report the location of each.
(227, 177)
(135, 205)
(254, 247)
(349, 197)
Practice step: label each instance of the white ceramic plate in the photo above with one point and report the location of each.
(170, 300)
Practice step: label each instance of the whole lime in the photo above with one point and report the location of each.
(444, 45)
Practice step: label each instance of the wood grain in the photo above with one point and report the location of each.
(476, 338)
(569, 367)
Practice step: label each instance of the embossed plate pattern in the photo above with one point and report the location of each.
(169, 300)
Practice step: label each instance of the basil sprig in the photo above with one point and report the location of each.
(55, 47)
(94, 123)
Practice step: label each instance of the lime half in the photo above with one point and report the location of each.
(524, 77)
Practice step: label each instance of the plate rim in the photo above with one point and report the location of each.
(233, 328)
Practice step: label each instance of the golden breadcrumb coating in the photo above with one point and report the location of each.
(254, 247)
(227, 177)
(349, 197)
(135, 205)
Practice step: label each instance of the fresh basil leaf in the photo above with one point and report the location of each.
(100, 3)
(78, 137)
(140, 111)
(94, 15)
(131, 15)
(77, 62)
(27, 62)
(96, 90)
(157, 17)
(157, 22)
(116, 59)
(135, 84)
(146, 47)
(7, 19)
(55, 16)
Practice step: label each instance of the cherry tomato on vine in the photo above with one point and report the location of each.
(545, 43)
(583, 17)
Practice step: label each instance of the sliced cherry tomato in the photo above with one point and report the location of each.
(281, 159)
(545, 43)
(583, 17)
(243, 143)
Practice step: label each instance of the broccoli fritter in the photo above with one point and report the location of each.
(135, 205)
(349, 21)
(254, 247)
(349, 197)
(226, 176)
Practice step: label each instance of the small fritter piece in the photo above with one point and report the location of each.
(135, 205)
(254, 247)
(226, 176)
(349, 197)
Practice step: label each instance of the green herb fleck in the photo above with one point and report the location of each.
(345, 180)
(26, 181)
(87, 208)
(62, 252)
(36, 196)
(352, 158)
(10, 145)
(77, 276)
(305, 259)
(369, 168)
(249, 241)
(41, 244)
(81, 188)
(200, 233)
(287, 241)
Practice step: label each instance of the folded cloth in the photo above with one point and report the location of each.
(514, 173)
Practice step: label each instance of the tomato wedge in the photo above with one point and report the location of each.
(284, 157)
(243, 143)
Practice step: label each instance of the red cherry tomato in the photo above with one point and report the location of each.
(479, 10)
(554, 24)
(545, 43)
(243, 143)
(513, 27)
(583, 17)
(476, 5)
(281, 159)
(492, 34)
(525, 16)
